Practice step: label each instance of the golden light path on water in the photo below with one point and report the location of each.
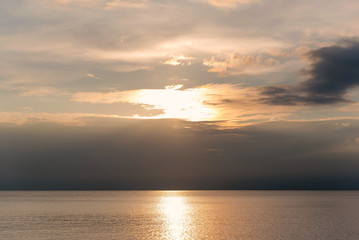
(176, 216)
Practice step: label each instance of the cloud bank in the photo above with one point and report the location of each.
(173, 154)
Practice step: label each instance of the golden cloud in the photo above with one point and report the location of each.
(242, 64)
(113, 4)
(179, 60)
(229, 3)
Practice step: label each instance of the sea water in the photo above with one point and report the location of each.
(106, 215)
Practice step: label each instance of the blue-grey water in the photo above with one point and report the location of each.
(179, 215)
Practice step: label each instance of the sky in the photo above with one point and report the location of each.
(190, 94)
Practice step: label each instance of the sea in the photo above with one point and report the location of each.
(254, 215)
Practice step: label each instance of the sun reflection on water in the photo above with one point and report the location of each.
(175, 212)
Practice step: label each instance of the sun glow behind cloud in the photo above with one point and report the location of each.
(185, 104)
(176, 103)
(228, 103)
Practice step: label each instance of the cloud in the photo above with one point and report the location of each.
(334, 71)
(242, 64)
(175, 103)
(179, 60)
(68, 119)
(125, 4)
(41, 92)
(106, 4)
(229, 4)
(130, 68)
(113, 153)
(231, 104)
(174, 86)
(90, 75)
(181, 48)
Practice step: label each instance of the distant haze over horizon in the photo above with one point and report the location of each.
(175, 154)
(193, 94)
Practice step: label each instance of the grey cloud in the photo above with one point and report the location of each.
(334, 71)
(162, 154)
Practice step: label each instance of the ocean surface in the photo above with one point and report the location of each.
(179, 215)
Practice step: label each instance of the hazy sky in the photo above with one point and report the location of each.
(164, 94)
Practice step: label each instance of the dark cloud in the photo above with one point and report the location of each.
(334, 71)
(162, 154)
